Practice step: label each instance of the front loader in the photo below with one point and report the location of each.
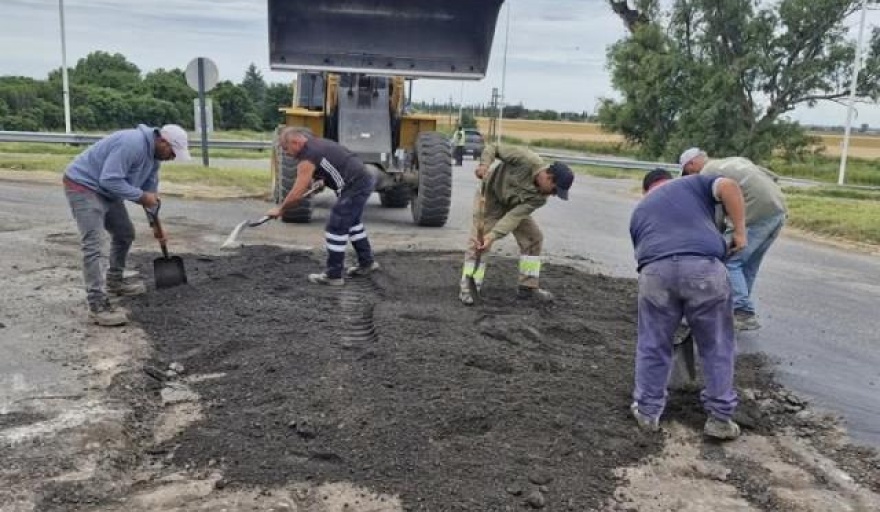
(353, 59)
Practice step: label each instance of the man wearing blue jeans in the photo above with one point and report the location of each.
(124, 166)
(344, 173)
(679, 251)
(765, 216)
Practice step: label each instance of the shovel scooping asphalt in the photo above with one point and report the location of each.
(232, 239)
(167, 270)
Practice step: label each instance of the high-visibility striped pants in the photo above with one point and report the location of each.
(343, 226)
(530, 240)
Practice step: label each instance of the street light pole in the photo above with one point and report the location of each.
(504, 73)
(857, 64)
(65, 86)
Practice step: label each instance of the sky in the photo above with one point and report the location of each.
(555, 52)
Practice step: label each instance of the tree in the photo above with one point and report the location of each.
(277, 96)
(105, 70)
(721, 73)
(255, 86)
(467, 120)
(231, 106)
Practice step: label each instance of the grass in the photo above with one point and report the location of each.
(825, 169)
(250, 181)
(609, 172)
(840, 213)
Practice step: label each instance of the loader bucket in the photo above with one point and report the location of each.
(414, 38)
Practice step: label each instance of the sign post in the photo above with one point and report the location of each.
(202, 75)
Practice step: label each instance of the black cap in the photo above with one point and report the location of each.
(658, 174)
(563, 177)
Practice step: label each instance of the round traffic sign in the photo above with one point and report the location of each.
(212, 76)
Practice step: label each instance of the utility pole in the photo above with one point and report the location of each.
(504, 72)
(857, 64)
(65, 86)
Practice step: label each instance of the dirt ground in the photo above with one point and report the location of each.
(258, 391)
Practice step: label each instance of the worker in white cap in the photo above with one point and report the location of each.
(765, 217)
(124, 166)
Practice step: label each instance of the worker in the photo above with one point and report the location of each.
(343, 172)
(765, 217)
(519, 183)
(458, 140)
(679, 252)
(124, 166)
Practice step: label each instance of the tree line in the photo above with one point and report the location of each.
(108, 92)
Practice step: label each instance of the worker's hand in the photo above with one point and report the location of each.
(274, 213)
(149, 200)
(481, 171)
(319, 186)
(737, 243)
(485, 245)
(160, 235)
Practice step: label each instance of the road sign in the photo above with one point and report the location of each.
(202, 75)
(209, 115)
(212, 76)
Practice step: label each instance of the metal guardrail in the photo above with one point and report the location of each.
(75, 138)
(599, 161)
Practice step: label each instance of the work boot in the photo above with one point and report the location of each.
(540, 294)
(465, 297)
(322, 278)
(646, 423)
(723, 430)
(361, 271)
(107, 315)
(122, 287)
(745, 321)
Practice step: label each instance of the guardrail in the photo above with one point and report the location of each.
(75, 138)
(599, 161)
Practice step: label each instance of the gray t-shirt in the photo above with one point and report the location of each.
(762, 195)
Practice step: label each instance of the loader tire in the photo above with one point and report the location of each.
(302, 214)
(397, 197)
(433, 197)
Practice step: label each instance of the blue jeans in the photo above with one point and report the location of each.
(743, 266)
(696, 288)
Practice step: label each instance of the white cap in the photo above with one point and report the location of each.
(176, 136)
(688, 155)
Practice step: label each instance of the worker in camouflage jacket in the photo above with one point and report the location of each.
(516, 182)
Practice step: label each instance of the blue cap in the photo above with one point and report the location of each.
(563, 177)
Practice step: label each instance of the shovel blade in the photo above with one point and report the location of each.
(169, 272)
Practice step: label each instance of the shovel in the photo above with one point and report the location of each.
(471, 282)
(167, 270)
(232, 239)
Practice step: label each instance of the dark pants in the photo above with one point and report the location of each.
(345, 225)
(698, 289)
(458, 154)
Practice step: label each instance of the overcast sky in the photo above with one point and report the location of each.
(556, 54)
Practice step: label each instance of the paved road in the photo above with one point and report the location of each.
(818, 303)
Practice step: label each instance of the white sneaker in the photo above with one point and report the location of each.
(360, 271)
(328, 281)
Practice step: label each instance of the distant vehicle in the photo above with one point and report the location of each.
(473, 143)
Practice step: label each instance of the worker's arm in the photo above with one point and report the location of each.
(509, 222)
(728, 193)
(305, 171)
(114, 177)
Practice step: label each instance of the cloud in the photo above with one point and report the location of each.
(555, 57)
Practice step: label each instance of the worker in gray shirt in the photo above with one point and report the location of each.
(765, 216)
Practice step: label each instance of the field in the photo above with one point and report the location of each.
(860, 146)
